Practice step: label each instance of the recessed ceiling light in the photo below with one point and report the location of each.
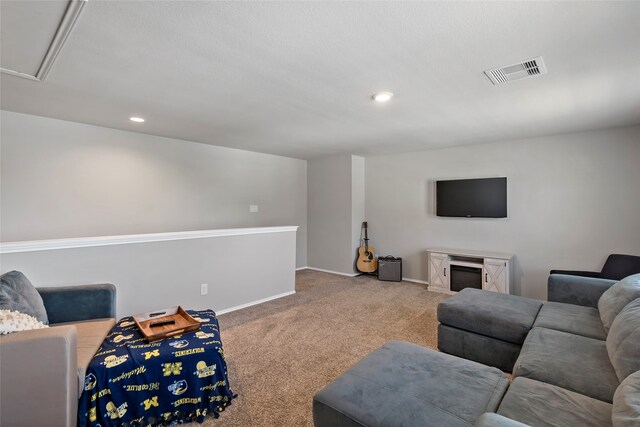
(136, 119)
(382, 96)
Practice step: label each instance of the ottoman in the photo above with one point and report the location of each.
(403, 384)
(485, 326)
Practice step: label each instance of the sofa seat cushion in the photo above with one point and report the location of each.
(90, 335)
(403, 384)
(491, 419)
(571, 318)
(569, 361)
(504, 317)
(540, 404)
(617, 297)
(623, 341)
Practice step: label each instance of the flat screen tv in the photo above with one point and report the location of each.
(472, 198)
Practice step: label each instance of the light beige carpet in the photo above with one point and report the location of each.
(281, 353)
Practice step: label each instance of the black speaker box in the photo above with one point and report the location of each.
(390, 269)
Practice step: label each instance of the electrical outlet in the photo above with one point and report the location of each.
(253, 208)
(204, 289)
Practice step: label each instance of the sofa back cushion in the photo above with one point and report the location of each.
(614, 299)
(18, 294)
(623, 341)
(626, 402)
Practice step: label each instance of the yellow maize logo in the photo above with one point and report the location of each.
(148, 403)
(149, 354)
(111, 360)
(172, 368)
(119, 338)
(116, 412)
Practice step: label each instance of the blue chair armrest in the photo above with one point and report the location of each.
(577, 290)
(77, 303)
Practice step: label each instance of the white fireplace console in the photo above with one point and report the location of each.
(495, 268)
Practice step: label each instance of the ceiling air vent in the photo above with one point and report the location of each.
(528, 68)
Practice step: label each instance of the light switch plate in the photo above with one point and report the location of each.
(253, 208)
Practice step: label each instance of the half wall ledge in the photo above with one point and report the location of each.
(84, 242)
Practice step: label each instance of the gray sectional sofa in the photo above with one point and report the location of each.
(580, 358)
(575, 362)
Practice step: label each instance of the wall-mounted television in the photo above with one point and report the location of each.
(472, 198)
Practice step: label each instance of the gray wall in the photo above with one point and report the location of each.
(335, 210)
(62, 179)
(357, 200)
(572, 200)
(154, 275)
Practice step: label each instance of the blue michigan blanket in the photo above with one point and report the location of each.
(131, 382)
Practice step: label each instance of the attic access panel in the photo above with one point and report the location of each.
(33, 33)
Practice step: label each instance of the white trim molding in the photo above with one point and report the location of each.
(332, 272)
(84, 242)
(64, 29)
(252, 303)
(422, 282)
(440, 290)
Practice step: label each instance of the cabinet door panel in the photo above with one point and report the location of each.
(495, 276)
(438, 270)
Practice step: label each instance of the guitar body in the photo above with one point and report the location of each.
(367, 261)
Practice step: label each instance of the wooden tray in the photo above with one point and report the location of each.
(183, 323)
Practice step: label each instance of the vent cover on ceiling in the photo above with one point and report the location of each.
(528, 68)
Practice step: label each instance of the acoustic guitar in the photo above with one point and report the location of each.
(367, 262)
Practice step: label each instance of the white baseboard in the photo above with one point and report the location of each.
(440, 290)
(333, 272)
(422, 282)
(249, 304)
(302, 268)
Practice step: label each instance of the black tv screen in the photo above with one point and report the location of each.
(472, 198)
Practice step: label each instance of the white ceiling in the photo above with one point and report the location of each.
(296, 78)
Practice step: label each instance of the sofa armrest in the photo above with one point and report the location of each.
(577, 273)
(490, 419)
(77, 303)
(37, 364)
(585, 291)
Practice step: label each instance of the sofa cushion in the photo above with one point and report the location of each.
(617, 297)
(491, 419)
(569, 361)
(571, 318)
(505, 317)
(626, 402)
(623, 341)
(540, 404)
(18, 294)
(471, 346)
(403, 384)
(91, 334)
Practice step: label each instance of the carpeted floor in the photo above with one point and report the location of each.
(282, 352)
